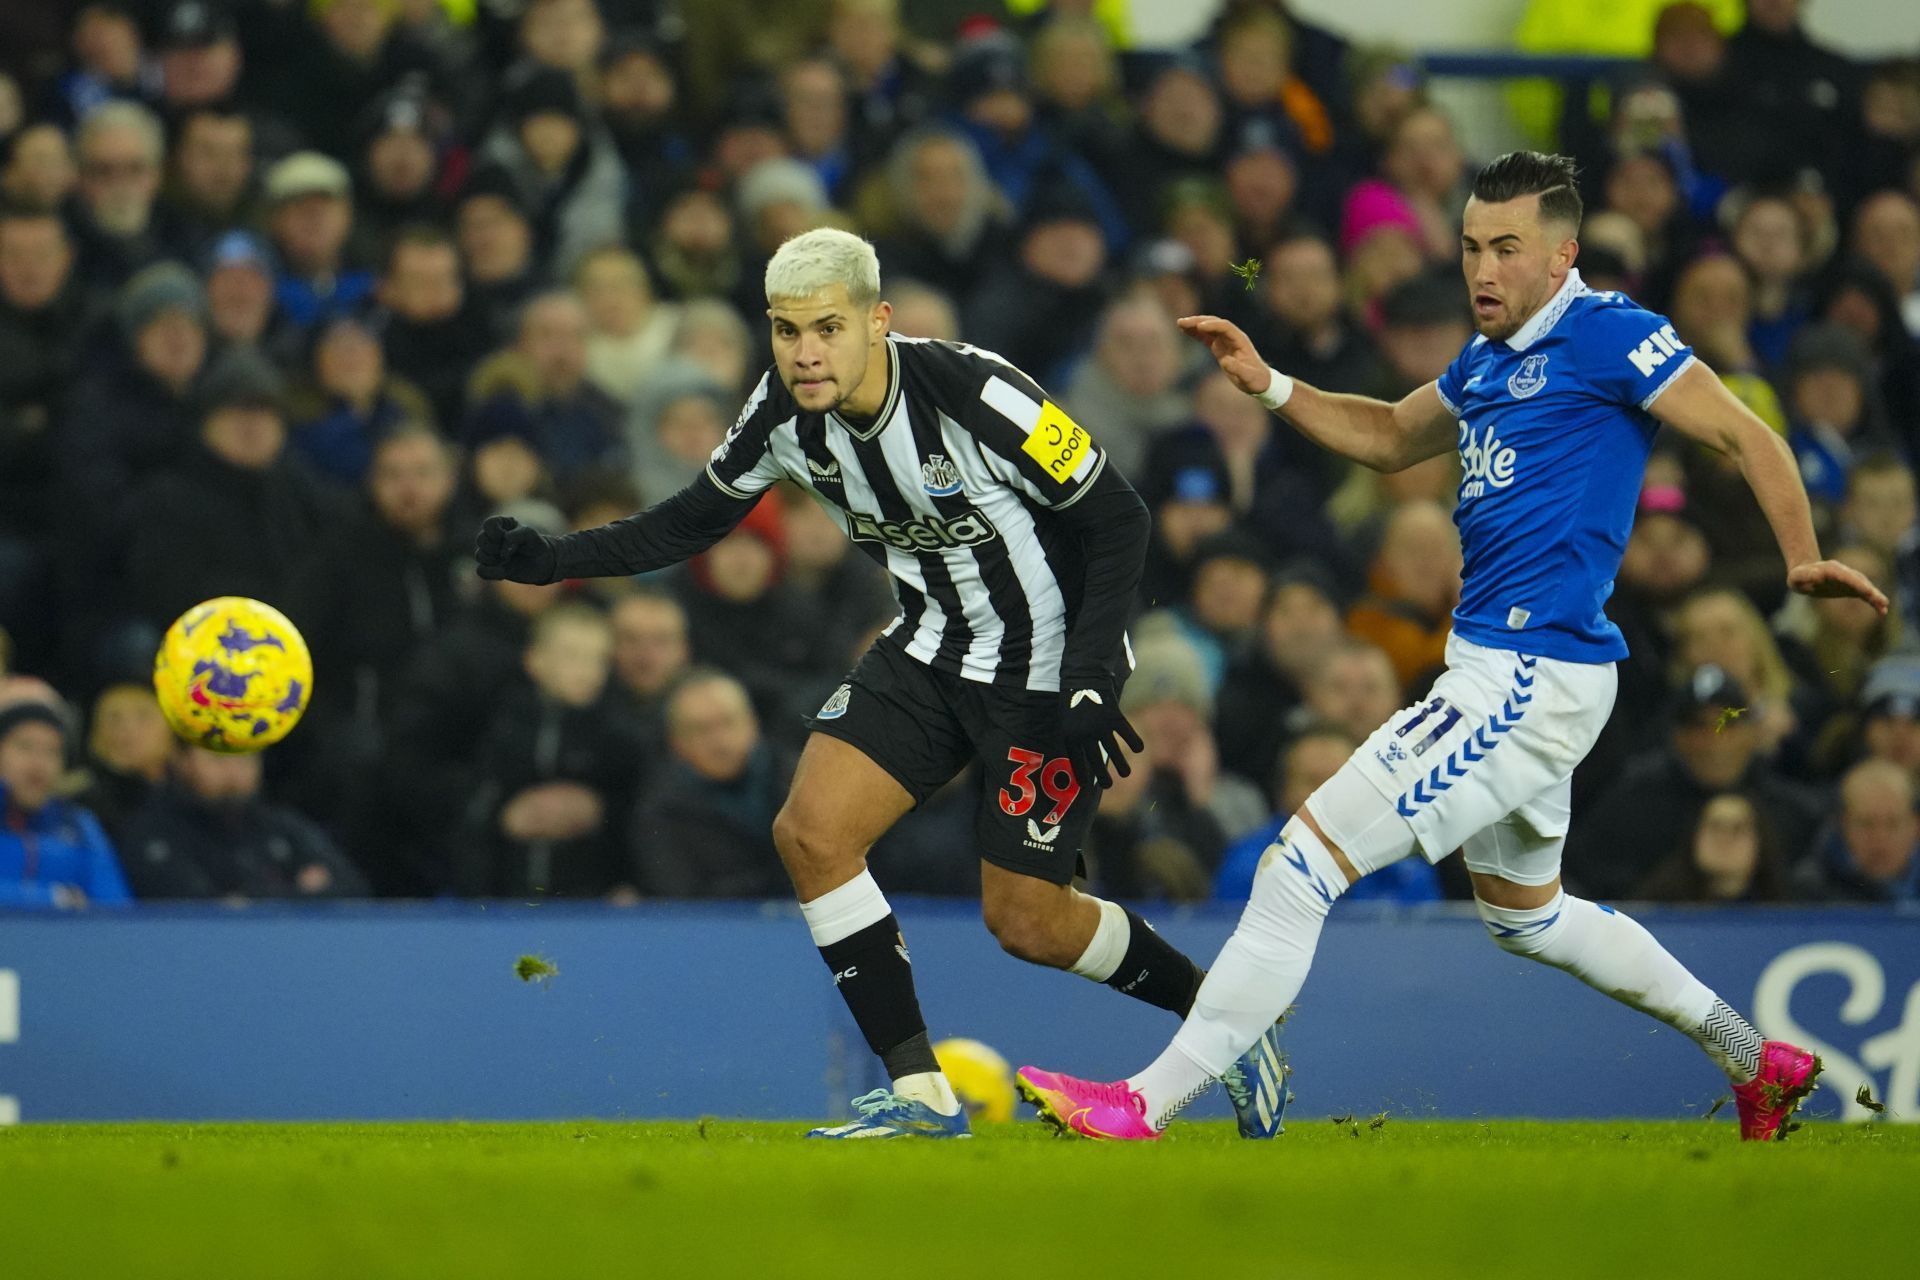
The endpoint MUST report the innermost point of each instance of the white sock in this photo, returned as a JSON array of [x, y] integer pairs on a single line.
[[838, 914], [1614, 954], [1109, 945], [930, 1087], [1255, 978]]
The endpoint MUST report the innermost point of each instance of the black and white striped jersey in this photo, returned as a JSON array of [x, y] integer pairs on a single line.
[[952, 489]]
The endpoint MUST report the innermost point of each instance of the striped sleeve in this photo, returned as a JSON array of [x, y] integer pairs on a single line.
[[1027, 439], [744, 466]]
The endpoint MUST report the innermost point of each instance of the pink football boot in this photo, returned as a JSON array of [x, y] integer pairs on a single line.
[[1766, 1102], [1085, 1107]]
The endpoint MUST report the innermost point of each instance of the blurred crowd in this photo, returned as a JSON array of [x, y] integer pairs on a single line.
[[294, 292]]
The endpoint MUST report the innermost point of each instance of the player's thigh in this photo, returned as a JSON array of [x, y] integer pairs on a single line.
[[1515, 862], [1034, 812], [886, 740]]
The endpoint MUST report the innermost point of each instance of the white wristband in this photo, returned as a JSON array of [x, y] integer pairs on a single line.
[[1278, 391]]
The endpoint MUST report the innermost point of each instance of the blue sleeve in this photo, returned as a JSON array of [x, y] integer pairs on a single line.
[[106, 886], [1628, 355], [1452, 384], [25, 893]]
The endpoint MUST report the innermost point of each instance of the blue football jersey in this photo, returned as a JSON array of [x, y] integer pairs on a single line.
[[1554, 436]]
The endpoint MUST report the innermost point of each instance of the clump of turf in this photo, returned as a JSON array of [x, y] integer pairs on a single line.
[[528, 968]]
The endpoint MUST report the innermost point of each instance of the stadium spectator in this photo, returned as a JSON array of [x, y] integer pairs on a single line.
[[210, 832], [555, 772], [1854, 295], [1797, 97], [1869, 852], [680, 419], [650, 655], [922, 311], [43, 314], [1254, 45], [1313, 756], [1721, 627], [1169, 700], [1411, 590], [777, 199], [408, 834], [1886, 232], [128, 748], [309, 199], [120, 148], [1352, 687], [211, 190], [53, 854], [813, 107], [431, 333], [1127, 390], [39, 172], [1772, 243], [1179, 134], [496, 240], [712, 335], [382, 583], [1881, 511], [888, 87], [1713, 746], [406, 159], [1139, 847], [1263, 185], [349, 401], [1731, 855], [947, 216], [538, 390], [1834, 406], [704, 827], [109, 62], [1712, 310], [182, 547], [846, 592], [1299, 625], [345, 54], [1039, 310], [561, 167], [1191, 502], [640, 105], [1890, 713], [201, 60], [1221, 614], [1309, 331], [562, 35], [241, 308], [628, 331]]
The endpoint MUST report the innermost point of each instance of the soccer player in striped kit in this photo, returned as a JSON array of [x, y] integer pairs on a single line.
[[1552, 408], [1014, 547]]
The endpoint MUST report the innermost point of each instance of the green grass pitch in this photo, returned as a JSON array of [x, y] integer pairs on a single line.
[[723, 1198]]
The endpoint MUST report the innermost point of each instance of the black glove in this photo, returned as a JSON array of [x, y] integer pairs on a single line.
[[508, 549], [1093, 726]]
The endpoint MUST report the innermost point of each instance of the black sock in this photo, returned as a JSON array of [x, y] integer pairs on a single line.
[[1155, 971], [876, 980]]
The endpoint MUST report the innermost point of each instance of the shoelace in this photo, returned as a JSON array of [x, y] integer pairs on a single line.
[[1114, 1094], [880, 1100]]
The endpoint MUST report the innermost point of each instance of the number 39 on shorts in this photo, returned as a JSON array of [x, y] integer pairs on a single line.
[[1055, 777]]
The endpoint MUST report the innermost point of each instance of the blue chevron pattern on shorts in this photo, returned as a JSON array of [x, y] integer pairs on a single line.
[[1477, 746]]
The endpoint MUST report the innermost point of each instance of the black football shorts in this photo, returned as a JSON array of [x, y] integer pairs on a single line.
[[923, 726]]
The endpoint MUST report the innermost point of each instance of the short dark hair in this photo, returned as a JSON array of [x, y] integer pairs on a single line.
[[1555, 179]]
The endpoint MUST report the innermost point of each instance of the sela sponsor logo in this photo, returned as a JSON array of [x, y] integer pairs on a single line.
[[939, 477], [1529, 378], [836, 706], [823, 473], [931, 533], [1485, 464], [1655, 349]]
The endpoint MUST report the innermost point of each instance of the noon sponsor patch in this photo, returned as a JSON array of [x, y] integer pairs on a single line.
[[1058, 443]]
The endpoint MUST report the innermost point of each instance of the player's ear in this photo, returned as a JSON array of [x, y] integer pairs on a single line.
[[882, 319], [1565, 256]]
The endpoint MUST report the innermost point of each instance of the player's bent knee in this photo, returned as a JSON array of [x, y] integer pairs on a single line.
[[1027, 934], [1523, 931], [808, 853]]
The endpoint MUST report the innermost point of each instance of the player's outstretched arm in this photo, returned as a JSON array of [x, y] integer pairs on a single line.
[[1374, 433], [1698, 405], [681, 527]]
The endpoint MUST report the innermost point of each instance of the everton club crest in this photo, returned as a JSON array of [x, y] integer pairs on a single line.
[[1529, 378]]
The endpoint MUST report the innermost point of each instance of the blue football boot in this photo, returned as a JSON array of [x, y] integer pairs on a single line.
[[1257, 1084], [885, 1114]]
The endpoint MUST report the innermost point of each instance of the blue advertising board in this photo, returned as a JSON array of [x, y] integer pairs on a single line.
[[414, 1011]]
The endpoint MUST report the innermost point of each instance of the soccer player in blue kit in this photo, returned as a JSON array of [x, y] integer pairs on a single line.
[[1553, 408]]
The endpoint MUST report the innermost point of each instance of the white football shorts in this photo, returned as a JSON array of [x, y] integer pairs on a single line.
[[1484, 764]]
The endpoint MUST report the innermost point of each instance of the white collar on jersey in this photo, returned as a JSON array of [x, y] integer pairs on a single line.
[[1549, 315]]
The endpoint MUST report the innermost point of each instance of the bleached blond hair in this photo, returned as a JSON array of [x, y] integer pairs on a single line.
[[821, 258]]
